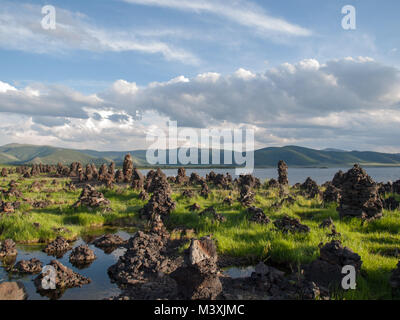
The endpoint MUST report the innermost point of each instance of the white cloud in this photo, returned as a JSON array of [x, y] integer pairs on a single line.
[[241, 12], [20, 29], [344, 103]]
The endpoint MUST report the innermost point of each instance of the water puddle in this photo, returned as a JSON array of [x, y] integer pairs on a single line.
[[100, 287], [239, 272]]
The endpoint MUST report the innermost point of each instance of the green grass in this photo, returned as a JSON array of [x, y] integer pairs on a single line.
[[376, 242]]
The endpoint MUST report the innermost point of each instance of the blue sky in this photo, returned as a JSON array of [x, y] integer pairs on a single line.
[[284, 51]]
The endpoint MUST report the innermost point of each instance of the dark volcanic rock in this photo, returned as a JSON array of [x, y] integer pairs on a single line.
[[92, 198], [205, 191], [181, 178], [82, 255], [359, 196], [127, 168], [58, 247], [29, 266], [282, 173], [258, 215], [64, 278], [188, 193], [137, 180], [246, 197], [144, 259], [327, 223], [12, 291], [326, 271], [331, 194], [194, 207], [391, 204], [8, 249], [160, 203], [110, 242], [198, 277], [310, 188], [287, 224]]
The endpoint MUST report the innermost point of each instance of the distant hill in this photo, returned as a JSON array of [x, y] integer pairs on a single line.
[[294, 156]]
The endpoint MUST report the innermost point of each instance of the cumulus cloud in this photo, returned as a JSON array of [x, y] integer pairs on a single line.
[[350, 103]]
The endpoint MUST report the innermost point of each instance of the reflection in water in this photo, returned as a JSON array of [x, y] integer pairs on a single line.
[[239, 272], [100, 287]]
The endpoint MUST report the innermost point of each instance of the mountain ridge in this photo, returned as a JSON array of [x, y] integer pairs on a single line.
[[295, 156]]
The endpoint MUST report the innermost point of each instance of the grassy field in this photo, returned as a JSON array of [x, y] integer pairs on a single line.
[[376, 242]]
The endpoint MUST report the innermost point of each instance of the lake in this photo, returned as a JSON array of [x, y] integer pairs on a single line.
[[100, 287]]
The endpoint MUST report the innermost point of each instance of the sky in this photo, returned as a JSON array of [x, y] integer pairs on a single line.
[[286, 69]]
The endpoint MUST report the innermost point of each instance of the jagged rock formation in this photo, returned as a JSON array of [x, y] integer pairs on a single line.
[[64, 278], [288, 224], [8, 249], [198, 277], [28, 266], [246, 197], [137, 180], [127, 168], [82, 255], [58, 247], [282, 173], [257, 215], [92, 198], [359, 196], [331, 194], [310, 188], [326, 271]]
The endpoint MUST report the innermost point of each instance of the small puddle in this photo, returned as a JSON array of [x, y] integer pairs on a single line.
[[100, 287], [239, 272]]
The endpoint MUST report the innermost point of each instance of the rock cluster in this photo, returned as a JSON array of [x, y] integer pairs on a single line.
[[288, 224], [12, 291], [359, 195], [269, 283], [188, 193], [213, 213], [82, 255], [92, 198], [8, 249], [257, 215], [58, 247], [160, 203], [391, 204], [205, 191], [195, 178], [310, 188], [109, 242], [64, 278], [29, 266], [198, 277], [127, 168], [181, 178], [326, 271], [8, 207], [282, 173], [246, 197], [144, 259], [137, 180], [331, 194]]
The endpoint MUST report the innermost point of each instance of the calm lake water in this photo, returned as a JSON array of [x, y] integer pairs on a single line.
[[320, 175], [100, 287]]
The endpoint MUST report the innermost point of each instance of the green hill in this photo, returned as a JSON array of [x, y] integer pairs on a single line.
[[268, 157]]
